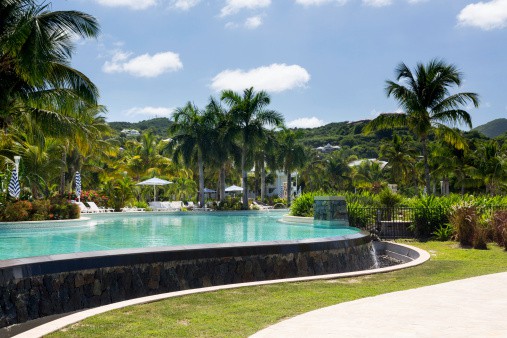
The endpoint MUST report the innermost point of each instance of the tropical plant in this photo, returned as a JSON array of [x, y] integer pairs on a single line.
[[291, 155], [250, 118], [424, 95], [190, 134], [36, 78]]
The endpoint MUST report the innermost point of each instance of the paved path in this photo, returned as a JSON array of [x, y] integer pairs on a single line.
[[474, 307]]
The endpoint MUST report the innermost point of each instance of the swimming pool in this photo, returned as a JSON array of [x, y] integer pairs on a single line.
[[146, 230]]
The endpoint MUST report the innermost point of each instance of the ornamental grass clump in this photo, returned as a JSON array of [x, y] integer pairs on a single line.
[[463, 218], [499, 223]]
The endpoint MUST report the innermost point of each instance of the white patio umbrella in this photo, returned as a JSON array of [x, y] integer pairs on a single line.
[[233, 189], [154, 181]]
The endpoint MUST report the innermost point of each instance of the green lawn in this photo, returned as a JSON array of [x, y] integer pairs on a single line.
[[241, 312]]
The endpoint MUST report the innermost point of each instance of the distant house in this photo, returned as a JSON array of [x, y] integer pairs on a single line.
[[328, 148], [130, 132]]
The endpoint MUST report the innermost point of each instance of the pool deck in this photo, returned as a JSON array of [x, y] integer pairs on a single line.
[[473, 307]]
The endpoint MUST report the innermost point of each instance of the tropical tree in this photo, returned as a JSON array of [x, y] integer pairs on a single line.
[[291, 155], [250, 118], [189, 133], [424, 95], [400, 156], [35, 74]]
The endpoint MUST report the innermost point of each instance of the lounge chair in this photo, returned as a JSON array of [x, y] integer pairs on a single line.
[[95, 208], [132, 209], [262, 206], [190, 205], [83, 208], [167, 206]]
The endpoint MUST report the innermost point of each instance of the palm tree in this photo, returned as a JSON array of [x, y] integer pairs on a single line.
[[190, 132], [35, 74], [425, 96], [400, 157], [291, 155], [223, 138], [250, 117]]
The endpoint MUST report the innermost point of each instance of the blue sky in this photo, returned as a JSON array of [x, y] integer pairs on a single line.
[[321, 61]]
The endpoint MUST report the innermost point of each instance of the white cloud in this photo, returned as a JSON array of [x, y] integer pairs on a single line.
[[185, 5], [484, 15], [378, 3], [253, 22], [132, 4], [150, 111], [144, 65], [234, 6], [306, 122], [273, 78], [320, 2]]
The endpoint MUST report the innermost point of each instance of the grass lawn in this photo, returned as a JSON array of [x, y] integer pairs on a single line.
[[241, 312]]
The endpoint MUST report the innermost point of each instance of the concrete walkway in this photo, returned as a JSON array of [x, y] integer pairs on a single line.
[[474, 307]]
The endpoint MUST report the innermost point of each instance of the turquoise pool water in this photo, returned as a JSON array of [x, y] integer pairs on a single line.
[[122, 231]]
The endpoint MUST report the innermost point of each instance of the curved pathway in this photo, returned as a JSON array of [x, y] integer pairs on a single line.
[[473, 307]]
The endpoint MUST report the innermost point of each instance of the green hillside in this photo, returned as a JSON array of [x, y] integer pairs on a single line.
[[158, 125], [493, 128]]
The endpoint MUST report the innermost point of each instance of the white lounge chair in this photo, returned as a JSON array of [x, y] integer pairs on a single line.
[[262, 206], [95, 208], [132, 209], [167, 206], [83, 208]]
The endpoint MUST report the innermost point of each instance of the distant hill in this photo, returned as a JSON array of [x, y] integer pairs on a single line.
[[493, 128], [159, 126]]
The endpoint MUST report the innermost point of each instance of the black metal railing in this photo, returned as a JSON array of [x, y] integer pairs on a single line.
[[397, 222], [405, 222]]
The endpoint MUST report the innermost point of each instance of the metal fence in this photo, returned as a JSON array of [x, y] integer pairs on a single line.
[[397, 222]]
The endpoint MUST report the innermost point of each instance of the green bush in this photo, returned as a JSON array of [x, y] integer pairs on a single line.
[[430, 213], [17, 211], [359, 216], [40, 210], [443, 233], [302, 206]]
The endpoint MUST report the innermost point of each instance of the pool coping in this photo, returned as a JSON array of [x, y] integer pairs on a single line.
[[420, 256]]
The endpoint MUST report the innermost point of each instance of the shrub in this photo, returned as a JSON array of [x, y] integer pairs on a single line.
[[463, 218], [359, 216], [18, 211], [389, 199], [40, 210], [303, 205], [429, 214], [444, 232], [499, 223], [481, 234]]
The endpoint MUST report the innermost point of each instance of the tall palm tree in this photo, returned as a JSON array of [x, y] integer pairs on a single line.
[[424, 95], [291, 155], [189, 133], [223, 138], [35, 74], [250, 117]]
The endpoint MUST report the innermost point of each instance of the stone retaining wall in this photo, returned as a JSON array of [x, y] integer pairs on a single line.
[[38, 287]]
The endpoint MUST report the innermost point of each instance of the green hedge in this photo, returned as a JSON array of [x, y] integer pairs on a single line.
[[38, 210]]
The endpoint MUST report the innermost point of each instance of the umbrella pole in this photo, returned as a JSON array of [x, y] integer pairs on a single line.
[[154, 193]]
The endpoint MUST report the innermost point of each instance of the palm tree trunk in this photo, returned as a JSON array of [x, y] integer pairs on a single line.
[[289, 186], [222, 183], [62, 175], [244, 182], [426, 166], [263, 181], [201, 178]]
